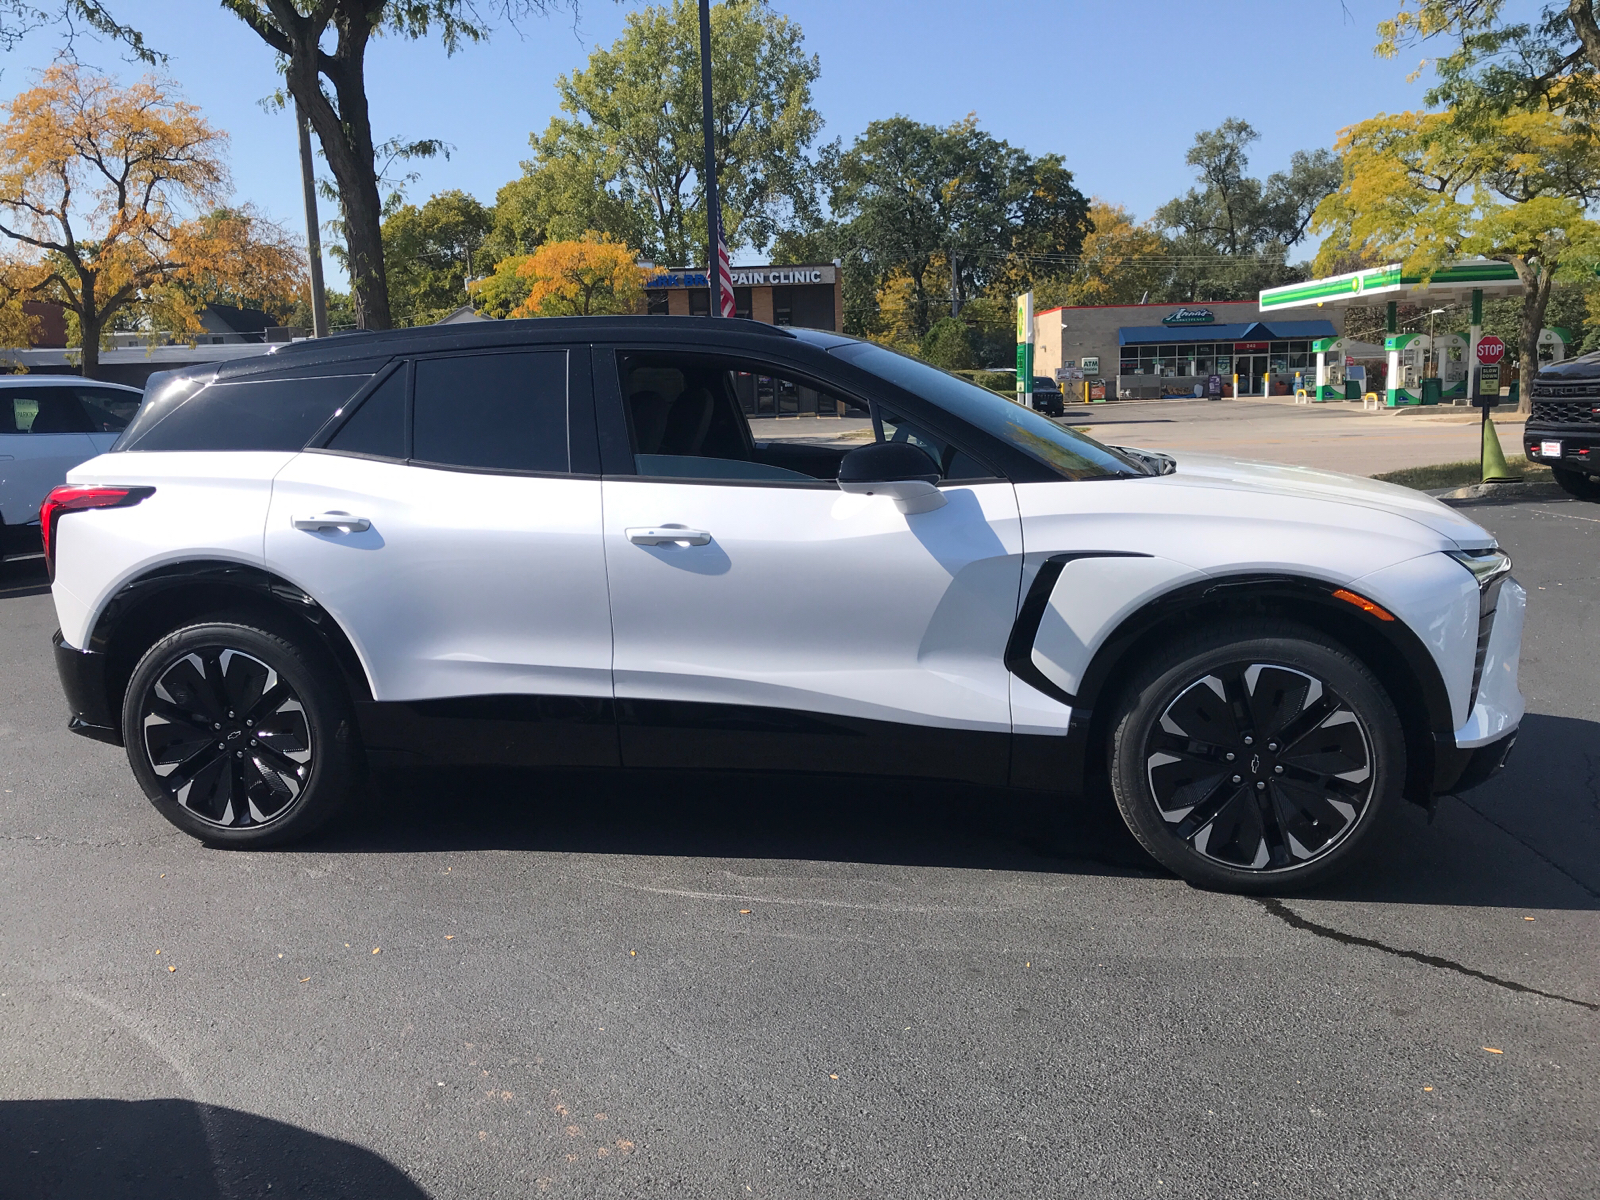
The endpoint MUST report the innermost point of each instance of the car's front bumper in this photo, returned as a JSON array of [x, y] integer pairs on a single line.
[[1580, 447], [83, 679], [1480, 747]]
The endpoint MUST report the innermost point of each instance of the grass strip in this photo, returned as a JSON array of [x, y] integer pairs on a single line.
[[1460, 474]]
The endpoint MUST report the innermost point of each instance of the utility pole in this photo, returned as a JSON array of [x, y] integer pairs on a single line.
[[713, 206], [308, 181]]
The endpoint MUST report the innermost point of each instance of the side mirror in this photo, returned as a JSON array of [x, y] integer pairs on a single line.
[[898, 470]]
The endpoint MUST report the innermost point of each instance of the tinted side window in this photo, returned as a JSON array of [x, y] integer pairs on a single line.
[[378, 427], [109, 410], [43, 410], [493, 412], [243, 414]]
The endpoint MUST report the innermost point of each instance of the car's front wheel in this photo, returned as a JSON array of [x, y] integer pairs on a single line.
[[1255, 758], [1577, 483], [239, 735]]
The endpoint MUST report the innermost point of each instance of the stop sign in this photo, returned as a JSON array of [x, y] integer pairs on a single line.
[[1490, 350]]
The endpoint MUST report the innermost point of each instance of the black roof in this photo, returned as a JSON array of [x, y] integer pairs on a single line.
[[355, 345]]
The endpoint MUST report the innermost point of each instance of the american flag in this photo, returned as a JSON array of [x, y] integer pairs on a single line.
[[724, 273]]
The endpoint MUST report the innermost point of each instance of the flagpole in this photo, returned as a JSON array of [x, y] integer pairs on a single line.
[[713, 207]]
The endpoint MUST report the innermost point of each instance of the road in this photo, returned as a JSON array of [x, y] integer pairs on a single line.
[[512, 985], [1337, 437]]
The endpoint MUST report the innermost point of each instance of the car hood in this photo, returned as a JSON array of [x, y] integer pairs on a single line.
[[1281, 480]]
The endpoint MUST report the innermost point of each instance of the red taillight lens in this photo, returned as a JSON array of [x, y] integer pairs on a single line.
[[68, 498]]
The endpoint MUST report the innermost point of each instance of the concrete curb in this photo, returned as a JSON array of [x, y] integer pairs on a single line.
[[1479, 493]]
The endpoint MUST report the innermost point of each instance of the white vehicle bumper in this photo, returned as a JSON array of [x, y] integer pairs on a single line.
[[1498, 708]]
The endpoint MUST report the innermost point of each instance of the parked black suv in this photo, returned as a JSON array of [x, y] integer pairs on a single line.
[[1047, 397], [1563, 431]]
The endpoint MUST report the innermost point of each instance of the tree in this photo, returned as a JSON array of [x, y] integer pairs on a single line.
[[583, 278], [94, 182], [329, 86], [1120, 263], [1231, 235], [625, 157], [948, 344], [941, 214], [1426, 188], [18, 18], [430, 254]]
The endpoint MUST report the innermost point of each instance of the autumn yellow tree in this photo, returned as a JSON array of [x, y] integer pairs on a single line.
[[1423, 188], [114, 199], [587, 277], [1121, 262]]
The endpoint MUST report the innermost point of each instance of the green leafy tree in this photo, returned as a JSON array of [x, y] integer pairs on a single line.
[[937, 215], [948, 344], [430, 253], [1230, 237], [625, 157]]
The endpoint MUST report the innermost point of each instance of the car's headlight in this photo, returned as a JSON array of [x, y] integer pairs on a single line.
[[1487, 566]]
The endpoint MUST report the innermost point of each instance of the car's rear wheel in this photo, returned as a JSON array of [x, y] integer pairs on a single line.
[[1577, 483], [239, 735], [1255, 758]]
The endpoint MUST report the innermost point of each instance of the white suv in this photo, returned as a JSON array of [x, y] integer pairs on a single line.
[[48, 425], [558, 542]]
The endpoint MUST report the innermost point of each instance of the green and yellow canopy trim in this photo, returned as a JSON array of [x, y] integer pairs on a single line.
[[1388, 283]]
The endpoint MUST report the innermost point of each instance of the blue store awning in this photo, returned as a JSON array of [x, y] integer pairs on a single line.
[[1250, 331]]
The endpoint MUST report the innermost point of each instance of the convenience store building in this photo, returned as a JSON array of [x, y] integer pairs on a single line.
[[1151, 351]]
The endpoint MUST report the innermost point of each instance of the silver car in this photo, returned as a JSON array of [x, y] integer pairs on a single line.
[[48, 425]]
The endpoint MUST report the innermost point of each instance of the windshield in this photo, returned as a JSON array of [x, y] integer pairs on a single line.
[[1072, 454]]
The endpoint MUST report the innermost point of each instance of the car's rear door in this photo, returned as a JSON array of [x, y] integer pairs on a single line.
[[452, 530], [795, 626], [44, 433]]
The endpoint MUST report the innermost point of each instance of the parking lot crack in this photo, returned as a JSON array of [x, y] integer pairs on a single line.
[[1293, 919]]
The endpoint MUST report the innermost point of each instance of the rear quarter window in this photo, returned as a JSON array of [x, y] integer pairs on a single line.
[[252, 413]]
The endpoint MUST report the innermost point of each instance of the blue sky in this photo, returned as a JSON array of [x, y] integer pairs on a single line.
[[1118, 88]]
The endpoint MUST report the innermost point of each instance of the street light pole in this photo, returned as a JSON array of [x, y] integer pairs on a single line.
[[713, 207], [308, 182]]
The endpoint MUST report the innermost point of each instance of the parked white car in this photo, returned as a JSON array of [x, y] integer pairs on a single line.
[[48, 425], [557, 542]]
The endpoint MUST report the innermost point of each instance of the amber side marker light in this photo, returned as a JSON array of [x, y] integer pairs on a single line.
[[1365, 605]]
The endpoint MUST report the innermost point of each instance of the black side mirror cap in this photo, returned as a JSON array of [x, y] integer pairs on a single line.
[[888, 462], [899, 470]]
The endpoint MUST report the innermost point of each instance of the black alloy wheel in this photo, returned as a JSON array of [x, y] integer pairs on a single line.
[[238, 736], [1577, 483], [1256, 763]]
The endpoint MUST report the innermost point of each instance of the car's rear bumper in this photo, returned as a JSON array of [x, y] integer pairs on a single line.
[[83, 679]]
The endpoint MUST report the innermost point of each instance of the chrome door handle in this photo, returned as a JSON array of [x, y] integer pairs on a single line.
[[332, 522], [668, 535]]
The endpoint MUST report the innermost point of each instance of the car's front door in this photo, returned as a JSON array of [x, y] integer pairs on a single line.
[[450, 528], [792, 625]]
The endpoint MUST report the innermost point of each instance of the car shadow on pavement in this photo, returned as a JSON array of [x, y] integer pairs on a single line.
[[1529, 838], [101, 1149], [715, 814]]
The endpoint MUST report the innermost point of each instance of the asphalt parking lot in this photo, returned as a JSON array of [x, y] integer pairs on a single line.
[[510, 985]]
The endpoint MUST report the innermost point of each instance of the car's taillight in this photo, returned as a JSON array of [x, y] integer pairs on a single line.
[[68, 498]]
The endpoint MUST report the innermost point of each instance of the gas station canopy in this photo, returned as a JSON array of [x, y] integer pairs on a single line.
[[1458, 281], [1412, 357]]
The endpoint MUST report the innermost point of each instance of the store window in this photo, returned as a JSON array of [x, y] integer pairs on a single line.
[[1278, 356], [655, 302], [1299, 356], [1129, 364], [699, 302]]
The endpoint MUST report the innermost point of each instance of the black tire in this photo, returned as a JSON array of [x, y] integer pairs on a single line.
[[1210, 785], [1577, 483], [285, 757]]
